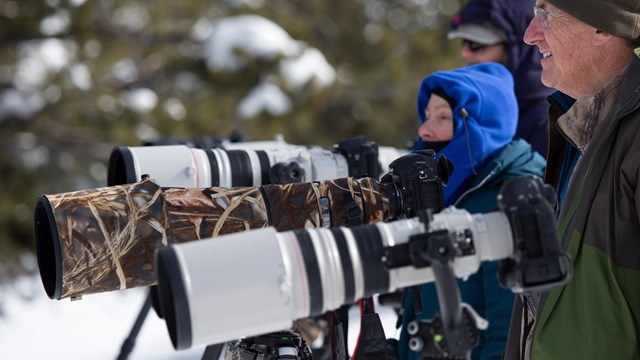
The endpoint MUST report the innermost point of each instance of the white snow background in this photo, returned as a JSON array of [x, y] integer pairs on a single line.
[[32, 326]]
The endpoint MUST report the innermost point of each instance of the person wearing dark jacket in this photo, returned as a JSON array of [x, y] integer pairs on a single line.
[[492, 30], [470, 115], [591, 55]]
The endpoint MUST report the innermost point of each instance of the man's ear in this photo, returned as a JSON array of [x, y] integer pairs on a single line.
[[600, 37]]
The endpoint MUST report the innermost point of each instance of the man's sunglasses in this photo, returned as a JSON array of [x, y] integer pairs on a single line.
[[474, 46]]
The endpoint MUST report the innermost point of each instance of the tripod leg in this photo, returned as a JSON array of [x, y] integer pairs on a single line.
[[130, 341]]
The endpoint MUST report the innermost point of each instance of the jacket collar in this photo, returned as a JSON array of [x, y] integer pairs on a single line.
[[585, 116], [510, 159]]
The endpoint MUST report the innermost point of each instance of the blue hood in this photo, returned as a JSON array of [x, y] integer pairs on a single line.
[[484, 92]]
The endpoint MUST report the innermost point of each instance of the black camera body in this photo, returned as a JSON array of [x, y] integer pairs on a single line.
[[538, 260], [418, 179]]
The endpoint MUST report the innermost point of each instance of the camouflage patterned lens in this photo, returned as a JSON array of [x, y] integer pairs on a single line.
[[105, 239]]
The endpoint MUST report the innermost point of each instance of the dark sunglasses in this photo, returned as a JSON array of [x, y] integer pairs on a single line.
[[474, 46]]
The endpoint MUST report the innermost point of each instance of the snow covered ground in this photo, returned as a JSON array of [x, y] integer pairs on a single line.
[[34, 327]]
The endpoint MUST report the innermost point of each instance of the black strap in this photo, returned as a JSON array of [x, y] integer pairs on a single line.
[[339, 332], [372, 342], [338, 344], [367, 306], [417, 303], [392, 349], [355, 215]]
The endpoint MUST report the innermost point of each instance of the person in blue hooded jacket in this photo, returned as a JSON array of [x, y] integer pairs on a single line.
[[492, 30], [470, 115]]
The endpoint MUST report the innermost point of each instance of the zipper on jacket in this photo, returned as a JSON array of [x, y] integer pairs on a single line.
[[534, 313], [484, 181]]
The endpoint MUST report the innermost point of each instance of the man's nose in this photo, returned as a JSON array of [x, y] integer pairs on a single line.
[[533, 34]]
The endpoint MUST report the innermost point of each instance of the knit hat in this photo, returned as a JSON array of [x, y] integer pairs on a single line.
[[620, 18]]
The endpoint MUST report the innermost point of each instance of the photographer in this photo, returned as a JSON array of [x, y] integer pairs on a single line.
[[588, 49], [470, 115], [492, 30]]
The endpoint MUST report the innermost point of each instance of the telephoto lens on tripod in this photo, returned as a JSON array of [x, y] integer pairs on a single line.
[[105, 239], [249, 163], [216, 291]]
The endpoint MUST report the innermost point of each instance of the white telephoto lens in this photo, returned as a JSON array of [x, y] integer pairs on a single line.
[[260, 281]]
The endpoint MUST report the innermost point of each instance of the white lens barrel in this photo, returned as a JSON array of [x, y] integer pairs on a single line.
[[173, 165], [254, 145], [495, 239], [398, 233], [491, 236], [327, 165], [233, 286], [223, 168], [259, 281], [182, 166]]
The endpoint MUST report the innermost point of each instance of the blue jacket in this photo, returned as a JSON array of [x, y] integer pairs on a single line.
[[513, 17], [485, 92]]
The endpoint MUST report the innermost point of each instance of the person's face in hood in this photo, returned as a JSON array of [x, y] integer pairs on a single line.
[[438, 123], [475, 53]]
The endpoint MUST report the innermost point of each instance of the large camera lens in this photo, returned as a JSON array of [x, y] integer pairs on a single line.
[[258, 282], [182, 166], [105, 239]]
